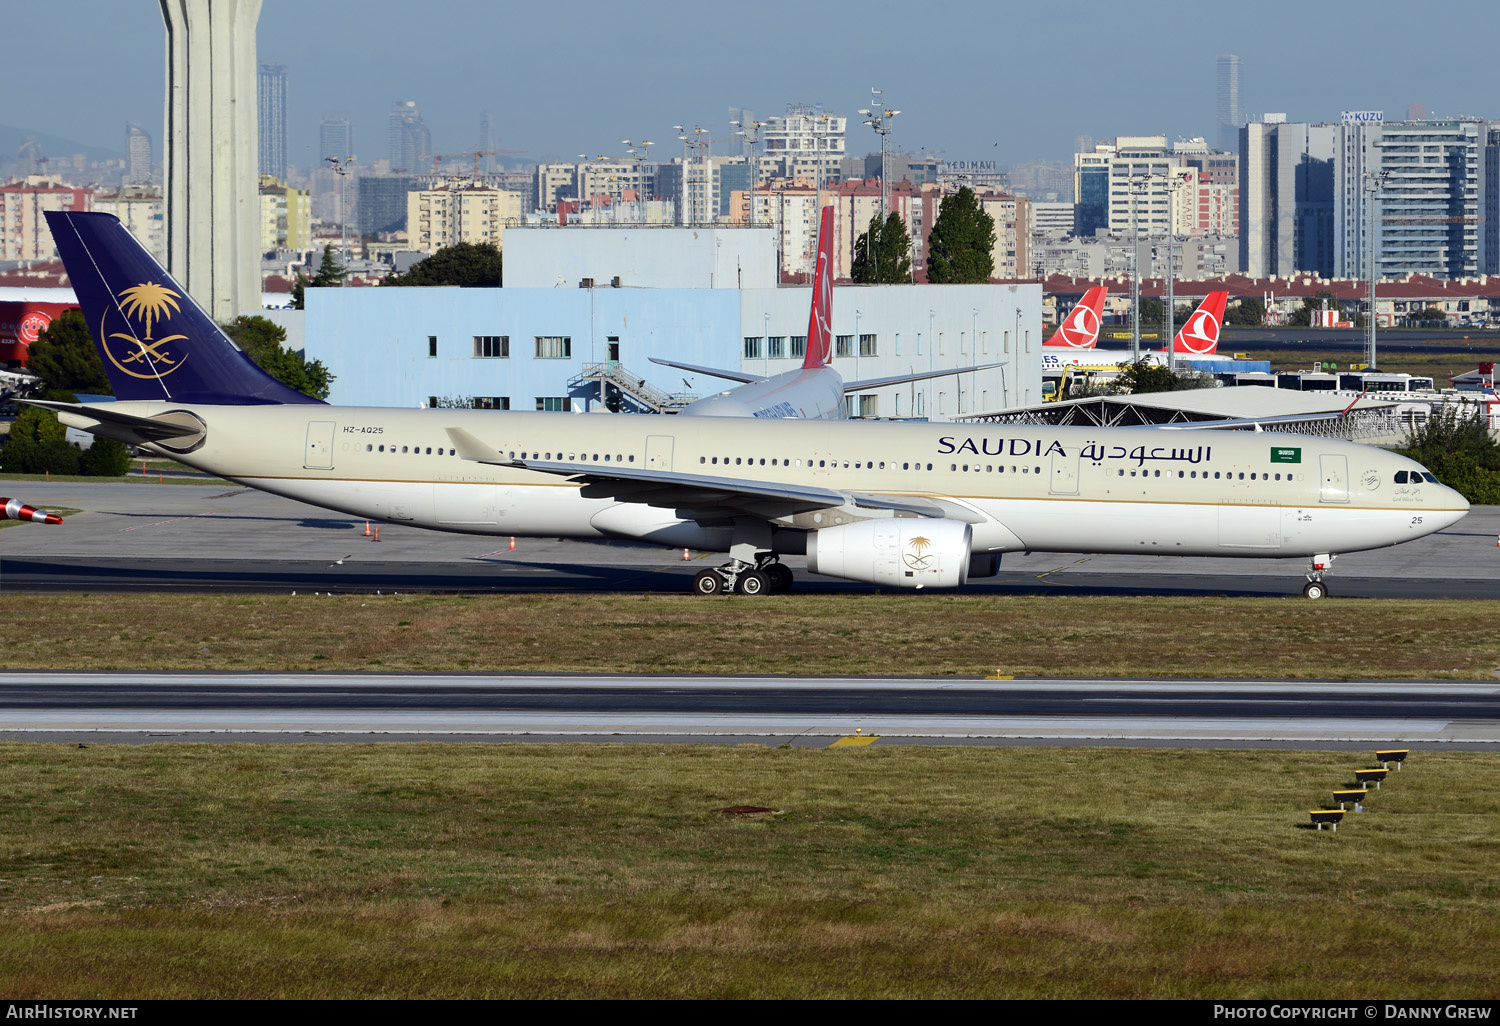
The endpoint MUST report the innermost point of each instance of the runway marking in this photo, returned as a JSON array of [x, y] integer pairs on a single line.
[[159, 523], [1059, 569]]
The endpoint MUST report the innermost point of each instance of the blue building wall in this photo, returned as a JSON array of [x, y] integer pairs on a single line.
[[375, 340]]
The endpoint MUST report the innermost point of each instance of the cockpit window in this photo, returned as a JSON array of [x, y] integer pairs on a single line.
[[1400, 477], [1430, 478]]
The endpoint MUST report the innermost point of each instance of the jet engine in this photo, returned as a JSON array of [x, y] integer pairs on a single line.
[[902, 552]]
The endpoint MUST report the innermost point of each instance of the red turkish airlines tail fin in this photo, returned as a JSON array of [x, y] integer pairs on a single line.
[[1080, 329], [1200, 335], [820, 322]]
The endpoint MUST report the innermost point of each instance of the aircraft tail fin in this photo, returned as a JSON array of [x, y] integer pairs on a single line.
[[1200, 335], [1080, 329], [820, 323], [155, 342]]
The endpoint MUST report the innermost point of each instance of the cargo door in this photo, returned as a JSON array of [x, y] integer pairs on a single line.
[[659, 452], [1335, 478], [319, 445]]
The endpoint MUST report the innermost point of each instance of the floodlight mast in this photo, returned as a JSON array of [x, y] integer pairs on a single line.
[[879, 119], [1373, 184], [337, 163]]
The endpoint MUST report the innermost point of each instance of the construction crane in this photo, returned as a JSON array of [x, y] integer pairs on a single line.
[[476, 153]]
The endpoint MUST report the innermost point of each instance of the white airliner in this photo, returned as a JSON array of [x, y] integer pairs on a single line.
[[814, 391], [902, 505]]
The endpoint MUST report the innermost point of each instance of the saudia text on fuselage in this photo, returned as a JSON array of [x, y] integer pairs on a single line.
[[1094, 451]]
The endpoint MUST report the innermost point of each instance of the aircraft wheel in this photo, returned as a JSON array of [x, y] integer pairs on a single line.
[[1315, 589], [781, 578], [753, 582], [707, 582]]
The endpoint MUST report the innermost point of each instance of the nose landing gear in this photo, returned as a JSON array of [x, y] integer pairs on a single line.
[[1315, 588]]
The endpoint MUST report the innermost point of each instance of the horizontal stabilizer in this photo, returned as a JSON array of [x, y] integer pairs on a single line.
[[901, 379], [716, 372], [124, 427]]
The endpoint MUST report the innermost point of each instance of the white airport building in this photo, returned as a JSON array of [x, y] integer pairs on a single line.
[[700, 296]]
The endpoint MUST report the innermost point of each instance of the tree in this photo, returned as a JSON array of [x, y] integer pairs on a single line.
[[882, 255], [960, 249], [1432, 314], [64, 357], [1249, 312], [264, 342], [331, 273], [469, 265], [105, 458], [1143, 376], [1457, 447]]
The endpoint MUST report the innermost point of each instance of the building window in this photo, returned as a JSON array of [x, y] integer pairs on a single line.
[[491, 347], [776, 347], [554, 347], [492, 402], [799, 347], [554, 404], [867, 405], [867, 345], [431, 346], [843, 345], [752, 347]]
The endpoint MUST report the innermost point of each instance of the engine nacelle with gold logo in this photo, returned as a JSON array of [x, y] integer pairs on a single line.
[[902, 552]]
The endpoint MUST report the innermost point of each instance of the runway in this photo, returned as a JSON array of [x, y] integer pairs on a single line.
[[218, 537], [765, 710]]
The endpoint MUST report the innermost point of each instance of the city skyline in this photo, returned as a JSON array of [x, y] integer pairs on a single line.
[[1012, 86]]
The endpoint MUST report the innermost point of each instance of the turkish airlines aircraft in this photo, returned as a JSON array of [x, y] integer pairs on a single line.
[[814, 391], [1198, 339], [1080, 329], [902, 505]]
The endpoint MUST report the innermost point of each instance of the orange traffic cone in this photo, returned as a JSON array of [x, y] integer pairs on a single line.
[[367, 529], [377, 533], [512, 544], [684, 555]]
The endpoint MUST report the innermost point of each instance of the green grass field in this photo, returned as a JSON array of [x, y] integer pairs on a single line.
[[905, 634], [606, 871]]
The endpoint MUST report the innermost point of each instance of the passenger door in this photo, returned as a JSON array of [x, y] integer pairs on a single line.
[[659, 452], [1335, 478]]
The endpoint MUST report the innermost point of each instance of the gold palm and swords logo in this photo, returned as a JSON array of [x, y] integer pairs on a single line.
[[916, 555], [150, 304]]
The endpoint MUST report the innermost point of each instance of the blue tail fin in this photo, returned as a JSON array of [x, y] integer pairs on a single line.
[[156, 343]]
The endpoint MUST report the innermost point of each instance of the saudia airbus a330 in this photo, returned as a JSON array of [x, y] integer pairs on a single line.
[[895, 504]]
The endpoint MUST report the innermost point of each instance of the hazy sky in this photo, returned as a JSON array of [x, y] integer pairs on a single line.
[[974, 79]]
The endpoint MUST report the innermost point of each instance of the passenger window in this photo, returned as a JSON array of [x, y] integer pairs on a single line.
[[1252, 477], [1242, 475], [382, 448], [369, 448], [1122, 471], [929, 466], [702, 459], [1180, 474], [1158, 473]]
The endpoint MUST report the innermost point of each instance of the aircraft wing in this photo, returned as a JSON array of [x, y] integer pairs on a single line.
[[901, 379], [701, 495], [728, 375]]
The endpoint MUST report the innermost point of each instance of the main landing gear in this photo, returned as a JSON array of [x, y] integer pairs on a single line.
[[1315, 588], [766, 576]]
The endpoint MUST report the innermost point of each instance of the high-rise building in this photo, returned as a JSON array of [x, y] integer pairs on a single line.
[[382, 202], [1230, 115], [271, 112], [806, 142], [1429, 210], [137, 155], [1286, 198], [739, 117], [335, 137], [411, 142], [23, 229]]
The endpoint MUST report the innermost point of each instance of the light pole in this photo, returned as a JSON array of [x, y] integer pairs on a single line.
[[751, 132], [338, 164], [640, 175], [1137, 186], [1373, 183], [880, 120]]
